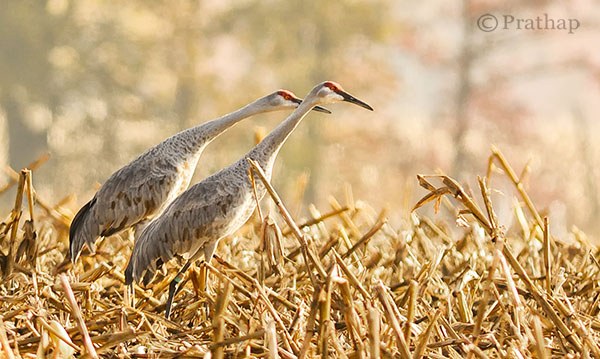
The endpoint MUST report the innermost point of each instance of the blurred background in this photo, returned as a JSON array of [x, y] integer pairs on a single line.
[[95, 83]]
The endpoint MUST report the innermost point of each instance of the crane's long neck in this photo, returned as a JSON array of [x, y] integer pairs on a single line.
[[196, 138], [266, 151]]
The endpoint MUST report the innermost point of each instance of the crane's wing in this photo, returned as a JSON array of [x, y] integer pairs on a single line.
[[201, 215], [131, 194], [134, 193]]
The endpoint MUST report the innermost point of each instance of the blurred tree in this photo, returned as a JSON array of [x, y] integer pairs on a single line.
[[26, 37]]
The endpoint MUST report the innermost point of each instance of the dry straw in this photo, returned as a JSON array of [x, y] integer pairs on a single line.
[[343, 284]]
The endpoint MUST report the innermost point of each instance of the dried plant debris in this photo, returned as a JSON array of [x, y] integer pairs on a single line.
[[343, 284]]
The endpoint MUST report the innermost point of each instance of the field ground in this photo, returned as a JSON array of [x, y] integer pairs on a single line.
[[359, 287]]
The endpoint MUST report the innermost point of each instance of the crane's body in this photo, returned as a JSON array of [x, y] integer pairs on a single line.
[[140, 190], [224, 201], [194, 222]]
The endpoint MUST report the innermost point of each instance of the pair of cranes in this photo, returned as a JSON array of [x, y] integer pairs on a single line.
[[149, 194]]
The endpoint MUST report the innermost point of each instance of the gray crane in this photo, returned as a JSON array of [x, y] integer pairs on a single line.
[[195, 221], [140, 190]]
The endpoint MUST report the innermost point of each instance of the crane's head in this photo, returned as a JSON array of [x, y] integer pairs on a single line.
[[283, 99], [329, 92]]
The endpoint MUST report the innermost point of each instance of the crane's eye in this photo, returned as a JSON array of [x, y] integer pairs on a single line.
[[332, 86], [286, 95]]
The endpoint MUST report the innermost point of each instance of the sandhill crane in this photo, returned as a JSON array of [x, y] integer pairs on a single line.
[[195, 221], [141, 189]]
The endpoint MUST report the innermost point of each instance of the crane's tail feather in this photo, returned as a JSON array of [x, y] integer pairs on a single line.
[[129, 272], [146, 275], [147, 256], [151, 273], [79, 233]]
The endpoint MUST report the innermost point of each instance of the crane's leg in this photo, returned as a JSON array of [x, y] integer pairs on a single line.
[[132, 294], [173, 288], [209, 251], [178, 278]]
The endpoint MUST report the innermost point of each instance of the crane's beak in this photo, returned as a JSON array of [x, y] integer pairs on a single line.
[[349, 98], [316, 108], [321, 109]]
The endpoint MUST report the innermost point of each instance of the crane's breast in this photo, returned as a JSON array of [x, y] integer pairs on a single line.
[[185, 172]]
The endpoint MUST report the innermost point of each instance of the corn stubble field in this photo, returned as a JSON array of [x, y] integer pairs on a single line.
[[344, 284]]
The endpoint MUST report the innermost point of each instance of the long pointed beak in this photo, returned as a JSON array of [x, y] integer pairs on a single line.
[[321, 109], [316, 108], [349, 98]]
